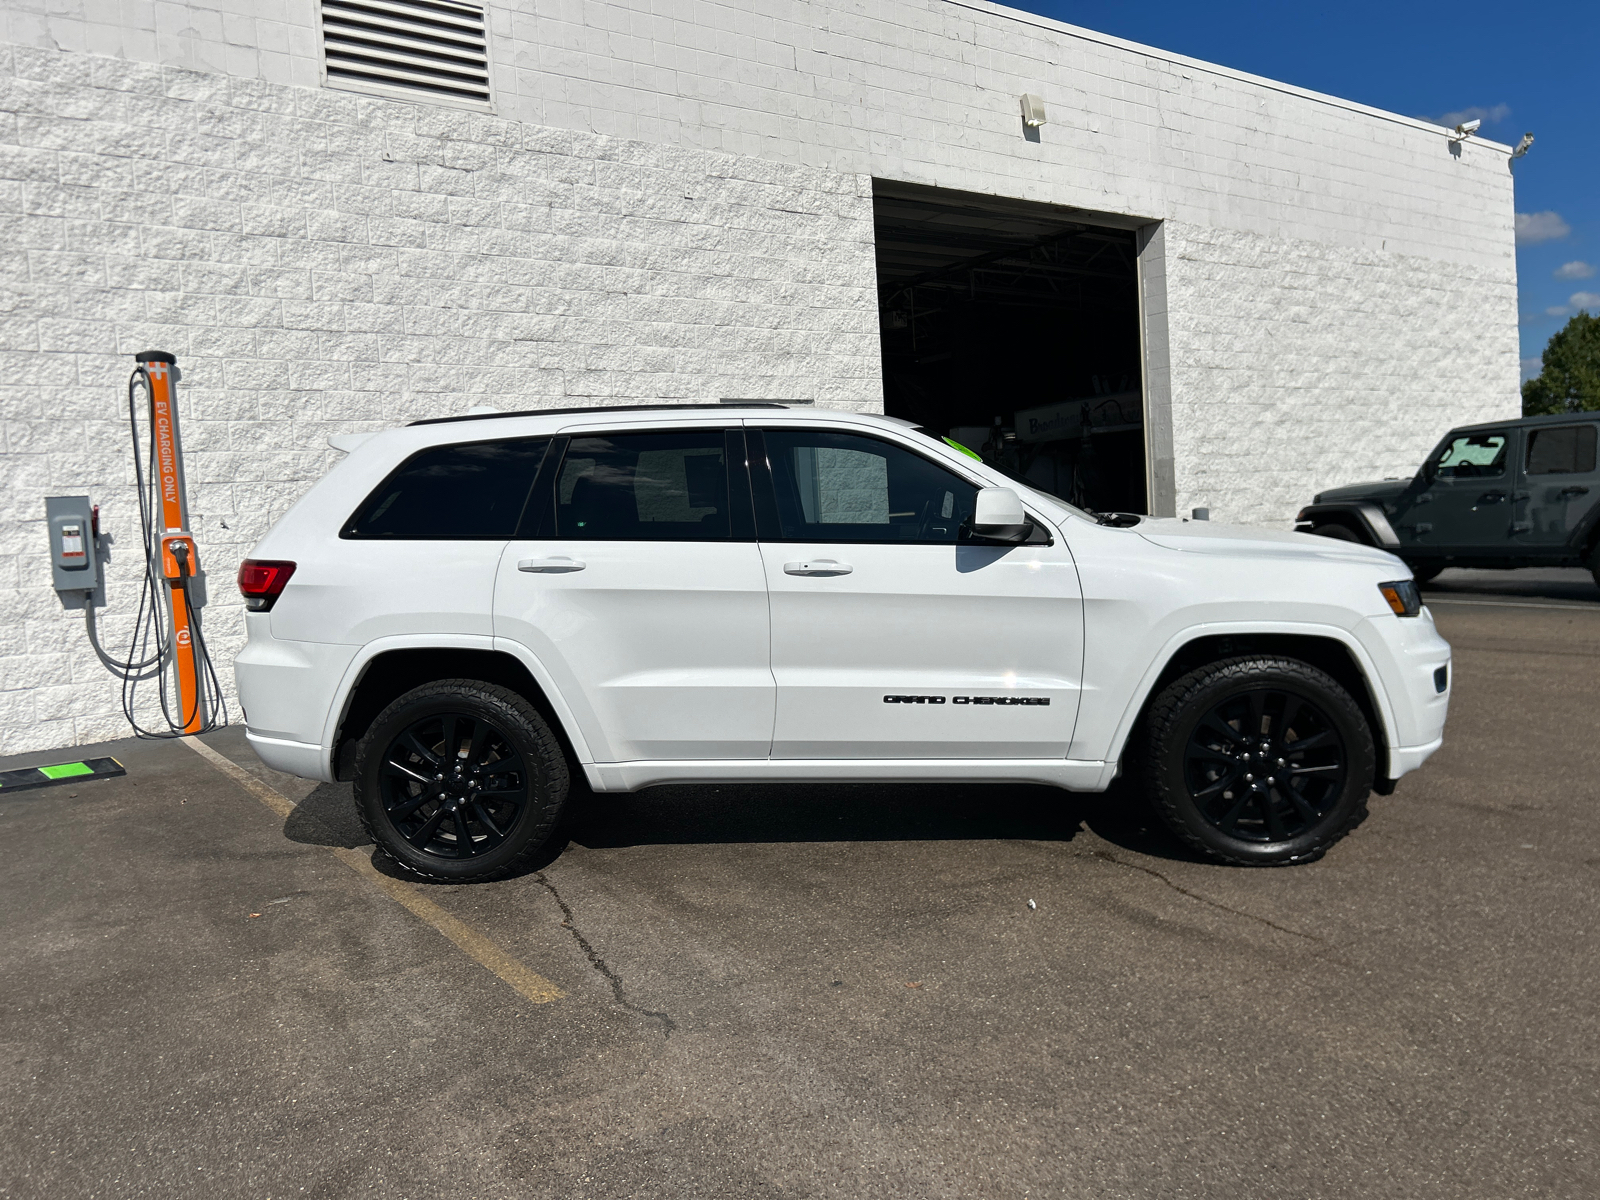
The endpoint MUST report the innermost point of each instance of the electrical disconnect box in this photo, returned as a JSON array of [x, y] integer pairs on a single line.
[[74, 545]]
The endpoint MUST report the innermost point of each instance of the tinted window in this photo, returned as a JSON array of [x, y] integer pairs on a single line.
[[1568, 450], [464, 492], [1474, 456], [644, 487], [839, 487]]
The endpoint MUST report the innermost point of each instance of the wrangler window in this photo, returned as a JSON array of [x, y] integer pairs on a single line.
[[1474, 456], [1565, 450]]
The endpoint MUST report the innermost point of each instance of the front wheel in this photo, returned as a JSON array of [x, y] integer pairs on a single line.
[[1258, 761], [460, 780]]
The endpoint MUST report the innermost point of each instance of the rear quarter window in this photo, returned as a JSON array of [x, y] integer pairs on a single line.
[[471, 491]]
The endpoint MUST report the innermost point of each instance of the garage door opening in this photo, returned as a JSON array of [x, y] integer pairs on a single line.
[[1013, 329]]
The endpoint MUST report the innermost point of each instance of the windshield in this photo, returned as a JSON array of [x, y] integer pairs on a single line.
[[1029, 488]]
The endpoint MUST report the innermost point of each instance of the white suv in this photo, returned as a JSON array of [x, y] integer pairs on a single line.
[[466, 611]]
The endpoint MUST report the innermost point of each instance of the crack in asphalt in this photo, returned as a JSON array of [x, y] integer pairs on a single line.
[[1183, 891], [569, 923]]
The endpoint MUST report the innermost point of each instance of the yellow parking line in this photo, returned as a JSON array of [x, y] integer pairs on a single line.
[[527, 984]]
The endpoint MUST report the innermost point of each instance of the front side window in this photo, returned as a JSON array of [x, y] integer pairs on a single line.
[[841, 487], [644, 487], [1474, 456], [471, 491], [1565, 450]]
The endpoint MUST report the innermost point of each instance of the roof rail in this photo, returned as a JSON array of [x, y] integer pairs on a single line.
[[600, 408]]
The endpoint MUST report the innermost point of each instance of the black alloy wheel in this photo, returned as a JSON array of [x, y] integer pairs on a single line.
[[1265, 765], [453, 786], [460, 780], [1258, 760]]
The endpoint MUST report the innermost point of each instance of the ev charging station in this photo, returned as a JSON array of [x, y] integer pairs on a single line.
[[168, 643]]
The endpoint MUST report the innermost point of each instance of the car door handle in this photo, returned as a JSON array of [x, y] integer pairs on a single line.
[[1573, 491], [1491, 498], [817, 566], [557, 565]]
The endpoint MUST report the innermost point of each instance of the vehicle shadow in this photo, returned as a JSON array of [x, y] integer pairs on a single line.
[[1533, 583], [801, 812], [900, 812]]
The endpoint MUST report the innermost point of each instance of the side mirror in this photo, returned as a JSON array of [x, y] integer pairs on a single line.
[[997, 515]]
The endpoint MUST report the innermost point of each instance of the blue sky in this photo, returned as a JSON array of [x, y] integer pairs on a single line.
[[1532, 68]]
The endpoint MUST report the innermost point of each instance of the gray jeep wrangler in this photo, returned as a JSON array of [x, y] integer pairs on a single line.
[[1522, 493]]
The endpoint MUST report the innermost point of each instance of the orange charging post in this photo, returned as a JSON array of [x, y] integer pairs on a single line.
[[180, 559]]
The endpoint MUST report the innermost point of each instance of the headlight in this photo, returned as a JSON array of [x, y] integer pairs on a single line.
[[1403, 597]]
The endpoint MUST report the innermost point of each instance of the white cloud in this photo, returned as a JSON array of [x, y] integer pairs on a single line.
[[1574, 270], [1584, 299], [1533, 228], [1558, 310], [1531, 367], [1475, 112]]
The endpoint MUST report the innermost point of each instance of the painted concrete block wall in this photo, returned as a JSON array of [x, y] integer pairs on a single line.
[[325, 263], [1297, 366], [674, 200]]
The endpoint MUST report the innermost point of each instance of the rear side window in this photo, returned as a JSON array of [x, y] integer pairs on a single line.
[[467, 492], [644, 487], [1474, 456], [1565, 450]]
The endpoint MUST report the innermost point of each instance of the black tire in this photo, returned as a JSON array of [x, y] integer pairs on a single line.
[[1425, 572], [1198, 764], [469, 821], [1339, 533]]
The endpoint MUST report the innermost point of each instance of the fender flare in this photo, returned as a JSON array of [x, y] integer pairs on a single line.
[[357, 667], [1358, 653], [1368, 516]]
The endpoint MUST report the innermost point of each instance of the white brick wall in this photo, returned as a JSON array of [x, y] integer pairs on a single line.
[[321, 262], [672, 200], [1298, 366]]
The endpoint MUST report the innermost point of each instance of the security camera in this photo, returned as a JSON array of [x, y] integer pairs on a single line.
[[1468, 128], [1522, 146]]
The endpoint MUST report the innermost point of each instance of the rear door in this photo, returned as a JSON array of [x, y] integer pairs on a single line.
[[892, 637], [638, 583], [1559, 485]]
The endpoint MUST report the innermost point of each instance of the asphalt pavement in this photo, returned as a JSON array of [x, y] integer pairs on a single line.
[[806, 991]]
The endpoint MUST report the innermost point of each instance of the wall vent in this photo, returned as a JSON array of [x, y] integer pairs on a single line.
[[436, 48]]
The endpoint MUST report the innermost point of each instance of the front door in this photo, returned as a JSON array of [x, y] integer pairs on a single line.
[[1466, 505], [892, 636], [1559, 485], [641, 590]]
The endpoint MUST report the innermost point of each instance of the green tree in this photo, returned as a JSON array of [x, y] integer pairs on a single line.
[[1570, 381]]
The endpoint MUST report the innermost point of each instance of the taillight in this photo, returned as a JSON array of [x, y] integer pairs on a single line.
[[261, 581]]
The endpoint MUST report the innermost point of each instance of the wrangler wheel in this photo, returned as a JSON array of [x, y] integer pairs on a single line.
[[1259, 760], [460, 780]]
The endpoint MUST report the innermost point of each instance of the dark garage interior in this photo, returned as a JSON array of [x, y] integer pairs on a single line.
[[1013, 329]]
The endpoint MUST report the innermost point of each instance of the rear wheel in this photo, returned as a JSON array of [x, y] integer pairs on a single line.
[[1258, 761], [1339, 533], [1423, 572], [460, 780]]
